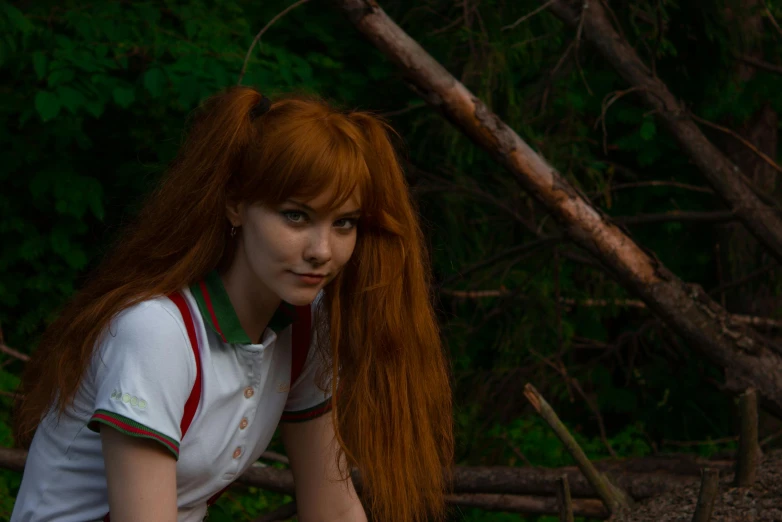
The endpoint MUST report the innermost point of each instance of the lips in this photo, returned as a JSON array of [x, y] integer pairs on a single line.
[[309, 279]]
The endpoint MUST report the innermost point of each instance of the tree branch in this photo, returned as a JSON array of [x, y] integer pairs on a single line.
[[613, 497], [520, 490], [763, 221], [745, 356]]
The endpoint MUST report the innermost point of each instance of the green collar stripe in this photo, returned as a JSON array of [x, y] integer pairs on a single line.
[[218, 312]]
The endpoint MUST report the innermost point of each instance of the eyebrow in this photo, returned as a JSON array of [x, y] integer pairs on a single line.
[[354, 212]]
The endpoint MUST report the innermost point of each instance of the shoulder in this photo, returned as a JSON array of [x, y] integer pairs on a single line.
[[153, 329], [153, 317]]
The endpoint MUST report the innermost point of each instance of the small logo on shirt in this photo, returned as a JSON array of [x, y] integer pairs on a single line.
[[128, 399], [283, 387]]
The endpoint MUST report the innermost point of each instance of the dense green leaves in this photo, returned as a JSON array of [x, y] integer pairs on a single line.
[[94, 102]]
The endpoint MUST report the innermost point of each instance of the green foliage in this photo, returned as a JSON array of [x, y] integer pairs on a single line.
[[95, 98]]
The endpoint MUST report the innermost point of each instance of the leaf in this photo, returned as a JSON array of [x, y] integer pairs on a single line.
[[155, 81], [71, 98], [47, 105], [648, 130], [60, 76], [94, 107], [123, 96], [16, 17], [39, 62]]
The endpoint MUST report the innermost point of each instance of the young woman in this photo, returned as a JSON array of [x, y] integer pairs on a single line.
[[279, 226]]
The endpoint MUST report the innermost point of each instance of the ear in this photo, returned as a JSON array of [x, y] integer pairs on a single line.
[[234, 211]]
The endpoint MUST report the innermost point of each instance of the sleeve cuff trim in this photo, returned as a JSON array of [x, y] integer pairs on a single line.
[[309, 413], [132, 428]]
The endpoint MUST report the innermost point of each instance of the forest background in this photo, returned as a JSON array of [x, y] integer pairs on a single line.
[[95, 96]]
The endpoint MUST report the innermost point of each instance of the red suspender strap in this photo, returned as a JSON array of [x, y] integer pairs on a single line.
[[302, 336], [195, 394]]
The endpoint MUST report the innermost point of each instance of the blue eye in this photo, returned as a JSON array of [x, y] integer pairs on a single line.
[[294, 216]]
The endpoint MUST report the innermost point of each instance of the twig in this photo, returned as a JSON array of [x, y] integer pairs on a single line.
[[653, 183], [745, 279], [515, 250], [528, 15], [676, 215], [687, 443], [772, 19], [579, 32], [762, 155], [283, 512], [629, 303], [564, 500], [258, 36], [749, 451], [14, 353], [709, 487], [613, 497], [609, 100], [760, 64]]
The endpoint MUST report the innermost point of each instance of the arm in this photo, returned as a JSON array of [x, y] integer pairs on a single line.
[[320, 495], [141, 477]]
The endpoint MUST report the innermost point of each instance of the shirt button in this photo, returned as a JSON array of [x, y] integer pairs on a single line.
[[249, 392], [237, 453], [243, 424]]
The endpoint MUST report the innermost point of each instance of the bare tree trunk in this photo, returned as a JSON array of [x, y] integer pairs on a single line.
[[686, 308], [763, 221]]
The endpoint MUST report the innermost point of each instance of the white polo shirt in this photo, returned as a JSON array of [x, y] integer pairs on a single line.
[[139, 380]]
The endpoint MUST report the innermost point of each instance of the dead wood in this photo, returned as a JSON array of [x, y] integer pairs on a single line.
[[687, 309]]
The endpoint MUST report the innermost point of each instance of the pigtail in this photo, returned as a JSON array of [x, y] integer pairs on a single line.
[[393, 408], [179, 236]]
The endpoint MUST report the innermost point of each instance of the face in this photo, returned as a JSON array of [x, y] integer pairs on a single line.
[[296, 248]]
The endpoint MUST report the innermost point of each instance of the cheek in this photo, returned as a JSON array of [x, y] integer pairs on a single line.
[[345, 249], [271, 242]]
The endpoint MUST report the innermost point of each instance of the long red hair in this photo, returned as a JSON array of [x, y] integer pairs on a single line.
[[392, 410]]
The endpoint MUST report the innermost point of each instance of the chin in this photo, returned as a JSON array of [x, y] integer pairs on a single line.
[[300, 297]]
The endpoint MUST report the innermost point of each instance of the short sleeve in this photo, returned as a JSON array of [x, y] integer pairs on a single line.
[[143, 373], [306, 400]]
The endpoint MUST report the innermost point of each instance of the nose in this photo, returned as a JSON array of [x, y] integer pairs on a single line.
[[318, 251]]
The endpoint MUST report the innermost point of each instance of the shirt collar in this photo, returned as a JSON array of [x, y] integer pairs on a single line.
[[218, 312]]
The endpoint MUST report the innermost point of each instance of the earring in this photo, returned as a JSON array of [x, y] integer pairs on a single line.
[[233, 231]]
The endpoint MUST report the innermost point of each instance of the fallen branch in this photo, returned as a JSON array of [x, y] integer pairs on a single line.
[[564, 500], [613, 497], [747, 359], [752, 320], [749, 204], [642, 478], [582, 507]]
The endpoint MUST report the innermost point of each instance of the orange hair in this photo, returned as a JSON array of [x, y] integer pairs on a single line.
[[392, 406]]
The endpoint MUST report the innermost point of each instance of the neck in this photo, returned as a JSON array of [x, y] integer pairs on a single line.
[[253, 302]]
